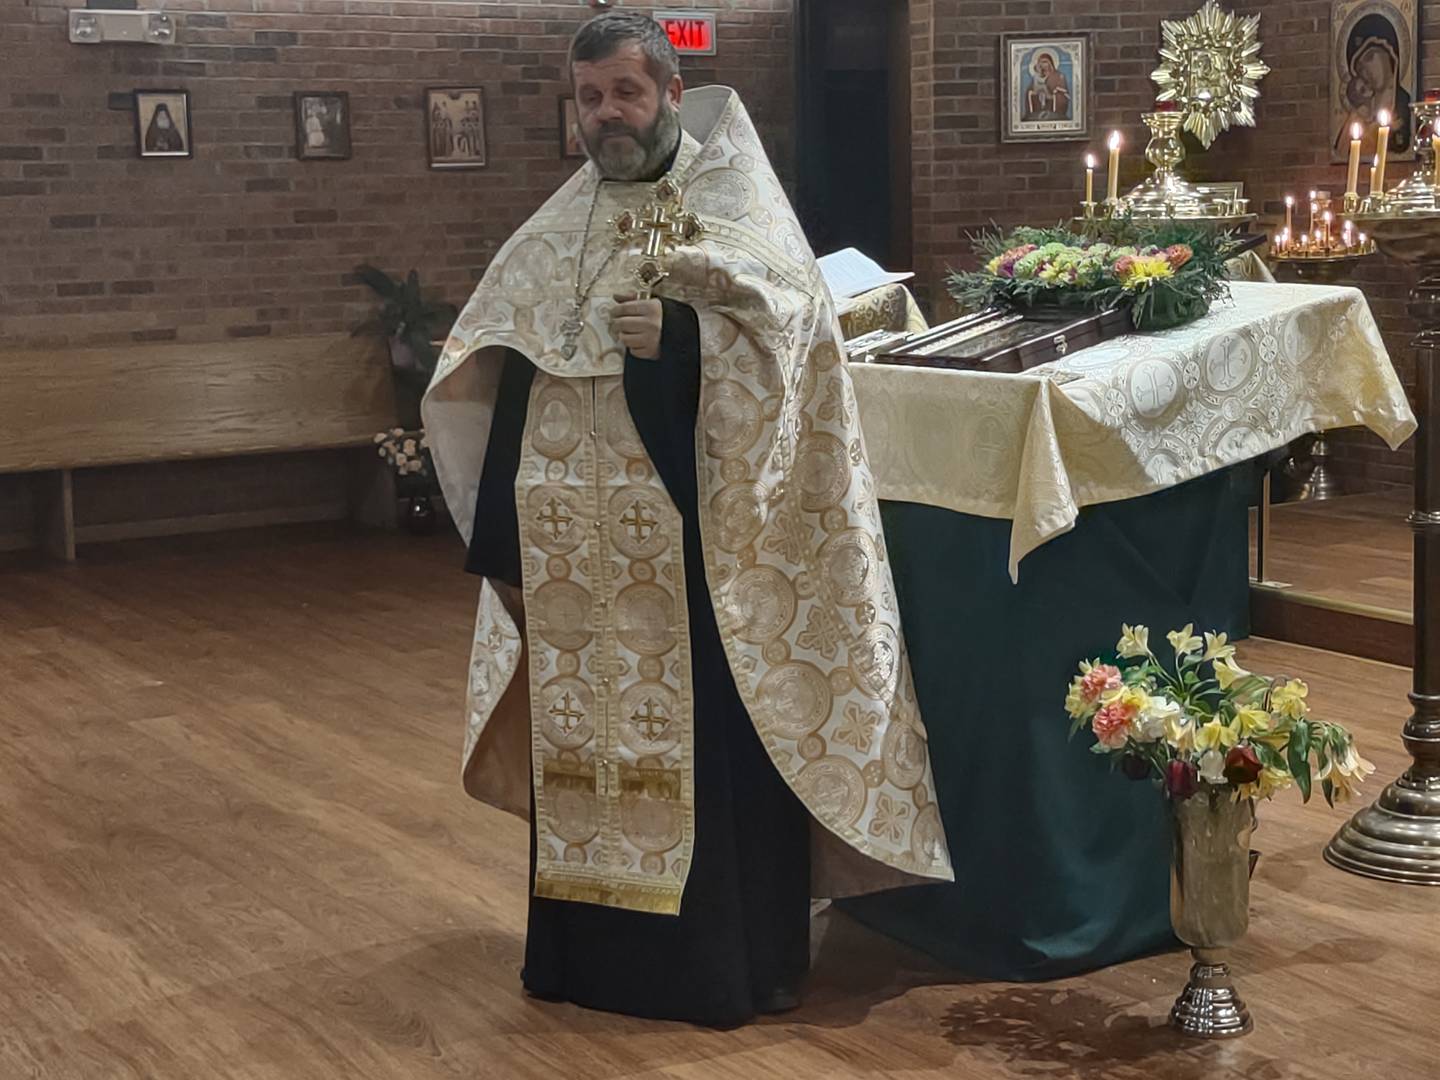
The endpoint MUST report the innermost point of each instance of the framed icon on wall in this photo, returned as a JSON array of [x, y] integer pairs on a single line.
[[162, 124], [1044, 87], [455, 127], [322, 125]]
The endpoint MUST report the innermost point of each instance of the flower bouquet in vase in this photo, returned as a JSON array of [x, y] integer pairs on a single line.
[[1216, 739], [408, 454]]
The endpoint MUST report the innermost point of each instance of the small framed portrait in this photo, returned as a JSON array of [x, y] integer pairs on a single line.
[[455, 127], [570, 144], [322, 125], [1044, 87], [162, 124], [1374, 67]]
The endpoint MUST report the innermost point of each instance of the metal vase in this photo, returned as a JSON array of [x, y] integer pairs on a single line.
[[1210, 906]]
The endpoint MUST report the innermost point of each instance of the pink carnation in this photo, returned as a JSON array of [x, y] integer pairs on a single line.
[[1097, 680], [1178, 255], [1112, 725], [1123, 265]]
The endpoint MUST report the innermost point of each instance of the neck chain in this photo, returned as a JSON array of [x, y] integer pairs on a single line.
[[575, 323]]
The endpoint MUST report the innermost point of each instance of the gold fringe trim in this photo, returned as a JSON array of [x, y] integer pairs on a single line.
[[644, 898]]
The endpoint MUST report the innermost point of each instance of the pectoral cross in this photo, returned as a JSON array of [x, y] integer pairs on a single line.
[[571, 328], [661, 226]]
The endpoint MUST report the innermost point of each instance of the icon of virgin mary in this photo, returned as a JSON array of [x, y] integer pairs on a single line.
[[1372, 82]]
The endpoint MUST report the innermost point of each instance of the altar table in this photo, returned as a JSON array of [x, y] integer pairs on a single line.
[[1028, 516]]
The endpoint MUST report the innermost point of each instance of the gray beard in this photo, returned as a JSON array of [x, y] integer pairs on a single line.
[[642, 158]]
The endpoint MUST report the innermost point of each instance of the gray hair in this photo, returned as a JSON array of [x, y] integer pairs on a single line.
[[603, 35]]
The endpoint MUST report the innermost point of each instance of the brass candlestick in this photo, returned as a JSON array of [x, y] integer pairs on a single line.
[[1398, 837], [1165, 193]]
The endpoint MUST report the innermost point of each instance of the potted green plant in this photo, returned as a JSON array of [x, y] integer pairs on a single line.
[[410, 325]]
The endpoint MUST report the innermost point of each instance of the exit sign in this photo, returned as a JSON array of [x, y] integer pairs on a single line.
[[692, 33]]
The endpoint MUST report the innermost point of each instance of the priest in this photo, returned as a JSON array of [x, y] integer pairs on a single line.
[[687, 668]]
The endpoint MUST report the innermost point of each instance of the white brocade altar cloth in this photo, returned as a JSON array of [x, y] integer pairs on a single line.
[[1133, 415]]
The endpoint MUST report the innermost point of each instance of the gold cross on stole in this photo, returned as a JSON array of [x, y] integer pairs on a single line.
[[651, 717], [661, 225]]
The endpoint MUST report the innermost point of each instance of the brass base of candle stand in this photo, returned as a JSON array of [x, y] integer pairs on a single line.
[[1319, 269], [1316, 481]]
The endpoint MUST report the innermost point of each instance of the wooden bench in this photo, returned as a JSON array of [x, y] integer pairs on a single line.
[[78, 409]]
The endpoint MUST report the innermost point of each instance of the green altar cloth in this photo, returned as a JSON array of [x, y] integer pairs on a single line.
[[1061, 865]]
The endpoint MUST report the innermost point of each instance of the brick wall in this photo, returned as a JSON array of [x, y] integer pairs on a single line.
[[964, 177], [100, 247]]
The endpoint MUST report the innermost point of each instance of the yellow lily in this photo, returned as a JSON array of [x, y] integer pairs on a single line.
[[1269, 783], [1217, 735], [1228, 673], [1346, 771], [1134, 641], [1218, 647], [1184, 641], [1252, 721], [1289, 700]]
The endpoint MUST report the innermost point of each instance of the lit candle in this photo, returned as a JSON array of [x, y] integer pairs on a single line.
[[1304, 242], [1382, 151], [1328, 218], [1314, 209], [1289, 216], [1347, 234], [1363, 240], [1284, 244], [1089, 178], [1353, 184], [1114, 193]]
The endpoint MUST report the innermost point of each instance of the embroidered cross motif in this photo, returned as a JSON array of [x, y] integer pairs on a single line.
[[638, 522], [553, 518], [566, 713], [651, 718]]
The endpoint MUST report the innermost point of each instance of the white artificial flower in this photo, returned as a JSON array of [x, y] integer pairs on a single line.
[[1212, 767], [1155, 718]]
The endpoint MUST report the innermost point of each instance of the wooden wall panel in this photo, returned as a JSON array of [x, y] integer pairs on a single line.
[[74, 408]]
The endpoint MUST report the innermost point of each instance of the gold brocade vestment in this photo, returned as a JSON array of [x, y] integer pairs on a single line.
[[602, 721]]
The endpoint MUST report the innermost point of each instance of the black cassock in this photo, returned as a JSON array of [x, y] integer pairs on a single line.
[[740, 944]]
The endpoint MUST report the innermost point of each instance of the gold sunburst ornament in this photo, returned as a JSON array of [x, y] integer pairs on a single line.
[[1211, 63]]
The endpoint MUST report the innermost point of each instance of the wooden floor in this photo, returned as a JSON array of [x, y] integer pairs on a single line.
[[234, 845], [1356, 548]]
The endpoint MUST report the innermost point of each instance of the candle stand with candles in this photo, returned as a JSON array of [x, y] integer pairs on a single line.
[[1398, 837]]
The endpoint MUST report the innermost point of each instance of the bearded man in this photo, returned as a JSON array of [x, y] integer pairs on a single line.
[[687, 663]]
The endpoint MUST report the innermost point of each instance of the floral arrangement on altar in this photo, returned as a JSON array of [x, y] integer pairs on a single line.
[[1206, 721], [1166, 273]]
